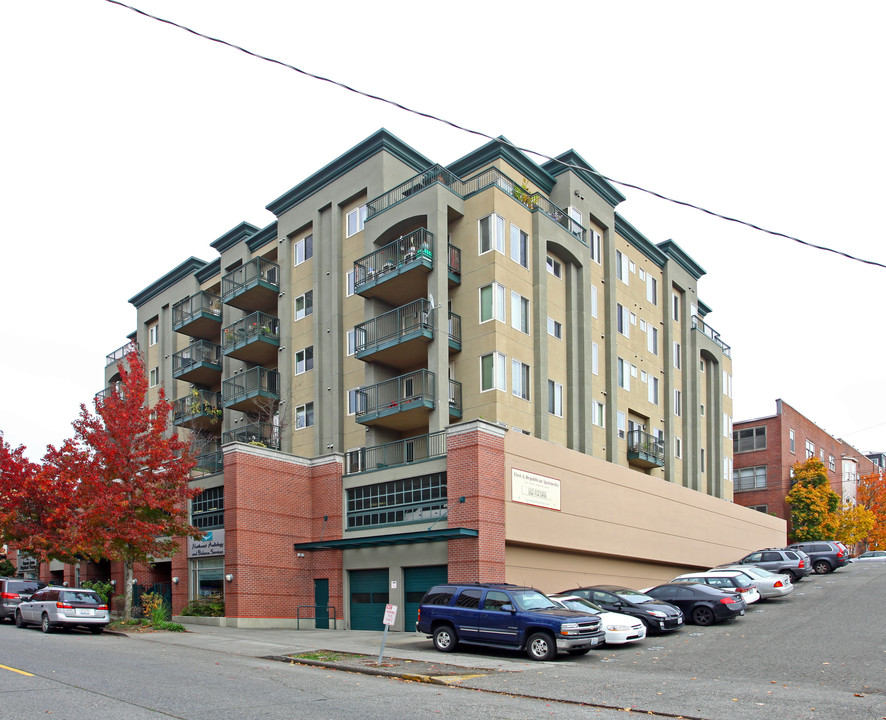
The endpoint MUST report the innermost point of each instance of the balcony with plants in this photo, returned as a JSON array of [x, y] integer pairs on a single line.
[[401, 403], [252, 391], [254, 339], [397, 272], [199, 363], [255, 285], [260, 434], [199, 410], [199, 316], [645, 450]]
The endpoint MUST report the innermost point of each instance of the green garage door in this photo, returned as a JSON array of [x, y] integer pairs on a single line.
[[418, 580], [369, 595]]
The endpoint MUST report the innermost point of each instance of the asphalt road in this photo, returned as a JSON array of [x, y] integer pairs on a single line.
[[819, 653]]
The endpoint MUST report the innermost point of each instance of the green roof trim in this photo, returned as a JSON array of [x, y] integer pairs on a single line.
[[188, 267], [639, 241], [374, 144], [236, 234], [501, 149], [210, 271], [676, 253], [263, 236], [588, 175], [703, 309], [391, 539]]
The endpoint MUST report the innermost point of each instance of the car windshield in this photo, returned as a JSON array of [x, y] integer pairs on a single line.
[[581, 604], [532, 600], [633, 596]]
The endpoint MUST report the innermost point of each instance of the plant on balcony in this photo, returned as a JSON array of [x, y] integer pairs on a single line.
[[266, 330], [522, 193], [229, 336]]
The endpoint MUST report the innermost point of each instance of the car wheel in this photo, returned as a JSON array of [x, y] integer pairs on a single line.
[[702, 615], [96, 629], [795, 577], [821, 567], [44, 624], [445, 639], [540, 646], [19, 621]]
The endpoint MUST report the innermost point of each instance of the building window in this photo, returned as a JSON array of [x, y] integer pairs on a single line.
[[492, 372], [304, 305], [727, 428], [520, 379], [304, 415], [621, 424], [303, 250], [350, 290], [356, 401], [598, 413], [727, 384], [519, 313], [702, 460], [555, 329], [154, 377], [304, 360], [519, 246], [624, 374], [652, 340], [758, 508], [575, 221], [676, 306], [595, 358], [623, 320], [208, 576], [492, 303], [793, 443], [653, 390], [593, 301], [678, 403], [555, 398], [621, 266], [554, 267], [492, 234], [810, 449], [355, 220], [749, 439], [152, 334], [352, 342], [832, 465], [749, 478], [677, 358], [701, 409], [652, 289], [596, 248], [678, 448], [411, 500], [208, 509]]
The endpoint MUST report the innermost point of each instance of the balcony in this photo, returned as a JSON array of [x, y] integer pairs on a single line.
[[199, 363], [208, 463], [253, 286], [702, 326], [399, 452], [199, 316], [254, 339], [455, 400], [397, 273], [413, 186], [198, 410], [120, 353], [645, 450], [108, 392], [261, 434], [402, 403], [251, 391], [397, 338]]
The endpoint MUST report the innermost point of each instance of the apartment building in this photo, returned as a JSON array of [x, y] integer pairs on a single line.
[[766, 450], [420, 372]]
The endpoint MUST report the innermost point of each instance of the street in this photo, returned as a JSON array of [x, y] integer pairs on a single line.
[[818, 653]]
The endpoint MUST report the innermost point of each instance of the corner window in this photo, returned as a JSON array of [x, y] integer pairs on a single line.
[[303, 250], [492, 303], [355, 220], [491, 232], [492, 372]]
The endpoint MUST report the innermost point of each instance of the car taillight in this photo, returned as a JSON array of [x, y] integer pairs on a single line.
[[64, 606], [801, 564], [102, 607], [728, 600], [9, 596], [840, 554], [778, 583], [418, 617]]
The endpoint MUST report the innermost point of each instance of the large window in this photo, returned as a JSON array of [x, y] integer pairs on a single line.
[[492, 234], [207, 577], [519, 246], [208, 509], [412, 500], [749, 439], [355, 220], [749, 478], [303, 250], [520, 379], [519, 313], [492, 303], [493, 372], [304, 415], [304, 360], [304, 305]]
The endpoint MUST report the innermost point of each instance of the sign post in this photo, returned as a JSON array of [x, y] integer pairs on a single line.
[[390, 617]]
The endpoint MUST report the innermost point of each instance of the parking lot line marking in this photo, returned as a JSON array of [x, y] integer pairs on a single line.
[[20, 672]]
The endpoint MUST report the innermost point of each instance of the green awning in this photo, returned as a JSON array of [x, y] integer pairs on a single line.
[[391, 539]]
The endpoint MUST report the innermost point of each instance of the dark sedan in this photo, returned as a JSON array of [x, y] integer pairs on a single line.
[[701, 604], [658, 616]]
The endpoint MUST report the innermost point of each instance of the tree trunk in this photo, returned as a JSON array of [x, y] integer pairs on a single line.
[[127, 583]]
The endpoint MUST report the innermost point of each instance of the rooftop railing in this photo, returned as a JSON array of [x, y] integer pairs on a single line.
[[120, 353], [259, 433], [701, 325]]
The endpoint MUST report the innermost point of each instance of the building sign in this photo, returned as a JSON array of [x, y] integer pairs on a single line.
[[532, 489], [211, 544]]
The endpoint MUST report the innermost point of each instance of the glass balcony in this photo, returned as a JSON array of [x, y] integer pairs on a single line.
[[645, 450], [208, 463], [120, 353], [702, 326], [254, 339], [260, 434], [253, 286], [399, 452], [199, 410], [254, 390], [401, 403], [199, 363], [199, 316], [397, 272]]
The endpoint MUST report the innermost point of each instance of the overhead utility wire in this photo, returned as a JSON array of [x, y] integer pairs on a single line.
[[499, 139]]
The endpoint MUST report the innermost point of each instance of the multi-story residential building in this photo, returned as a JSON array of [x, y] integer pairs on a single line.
[[766, 450], [416, 372]]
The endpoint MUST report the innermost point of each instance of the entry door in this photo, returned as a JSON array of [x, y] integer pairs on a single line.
[[321, 600], [369, 595]]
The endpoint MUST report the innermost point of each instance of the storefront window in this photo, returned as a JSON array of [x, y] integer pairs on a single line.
[[208, 576]]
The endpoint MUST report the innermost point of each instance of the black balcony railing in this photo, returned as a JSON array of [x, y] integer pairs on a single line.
[[644, 449], [203, 304], [413, 186], [208, 463], [120, 353], [405, 323], [205, 404], [260, 434], [399, 452], [702, 326]]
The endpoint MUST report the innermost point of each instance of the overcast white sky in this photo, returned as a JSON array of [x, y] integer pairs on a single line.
[[127, 146]]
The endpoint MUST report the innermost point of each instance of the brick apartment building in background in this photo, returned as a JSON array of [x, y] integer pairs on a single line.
[[419, 372], [766, 449]]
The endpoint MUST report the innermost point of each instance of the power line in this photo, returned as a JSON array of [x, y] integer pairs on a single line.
[[481, 134]]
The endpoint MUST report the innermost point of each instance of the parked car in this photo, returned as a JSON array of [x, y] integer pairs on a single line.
[[731, 580], [53, 607], [700, 603], [769, 585], [619, 628], [779, 560], [13, 591], [658, 616], [826, 555], [508, 616], [874, 555]]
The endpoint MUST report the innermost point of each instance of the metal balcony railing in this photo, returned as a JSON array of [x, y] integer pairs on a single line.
[[404, 252], [120, 353], [396, 394], [399, 452], [455, 406], [404, 323], [202, 304], [255, 382], [256, 326], [646, 449], [434, 174], [201, 352], [257, 271], [198, 403], [261, 434], [701, 325]]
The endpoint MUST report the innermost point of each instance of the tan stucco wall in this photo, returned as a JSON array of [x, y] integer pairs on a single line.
[[618, 525]]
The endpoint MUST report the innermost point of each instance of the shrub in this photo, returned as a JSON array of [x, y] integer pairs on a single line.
[[102, 587], [208, 606]]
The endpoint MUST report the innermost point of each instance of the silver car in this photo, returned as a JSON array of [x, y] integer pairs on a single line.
[[769, 585], [54, 607]]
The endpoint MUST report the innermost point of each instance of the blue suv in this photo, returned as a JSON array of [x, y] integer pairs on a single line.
[[506, 616]]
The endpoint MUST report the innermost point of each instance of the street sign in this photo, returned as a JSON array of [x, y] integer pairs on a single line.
[[390, 614]]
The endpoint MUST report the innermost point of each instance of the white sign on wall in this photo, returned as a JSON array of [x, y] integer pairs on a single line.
[[211, 544], [532, 489]]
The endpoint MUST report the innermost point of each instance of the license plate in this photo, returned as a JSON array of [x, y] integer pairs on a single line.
[[741, 612], [85, 611], [595, 641]]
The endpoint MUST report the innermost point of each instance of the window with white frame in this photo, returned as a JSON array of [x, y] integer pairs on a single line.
[[678, 403], [492, 303], [354, 400], [304, 415], [154, 377], [595, 358], [641, 273], [832, 464], [593, 301], [555, 329], [620, 421], [596, 248], [491, 234], [350, 290], [727, 426], [621, 266], [623, 320], [152, 334], [493, 372], [793, 442], [810, 449], [303, 250], [554, 267], [303, 305], [675, 305], [652, 340], [677, 357], [749, 478], [520, 379], [598, 413], [652, 289], [678, 447], [355, 219], [624, 374], [519, 246], [519, 313], [575, 218], [352, 342], [555, 398], [304, 360], [727, 384], [653, 390]]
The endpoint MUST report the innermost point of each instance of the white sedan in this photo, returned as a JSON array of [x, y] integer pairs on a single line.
[[731, 581], [619, 629], [769, 584], [872, 555]]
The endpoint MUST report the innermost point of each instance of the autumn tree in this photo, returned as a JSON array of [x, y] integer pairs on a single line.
[[871, 494], [813, 503]]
